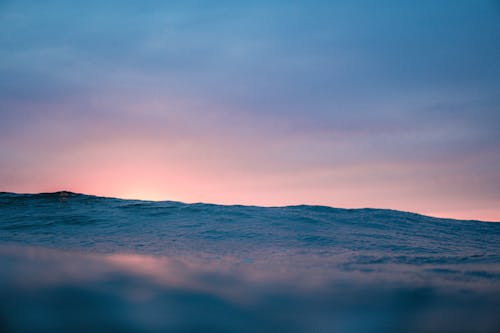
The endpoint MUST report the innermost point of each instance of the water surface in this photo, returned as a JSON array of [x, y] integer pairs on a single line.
[[72, 262]]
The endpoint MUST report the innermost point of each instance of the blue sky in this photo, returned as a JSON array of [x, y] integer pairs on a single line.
[[346, 103]]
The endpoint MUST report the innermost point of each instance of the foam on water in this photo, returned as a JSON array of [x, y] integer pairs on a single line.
[[72, 262]]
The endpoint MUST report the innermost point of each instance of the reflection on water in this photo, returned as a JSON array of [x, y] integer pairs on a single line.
[[136, 266], [53, 291]]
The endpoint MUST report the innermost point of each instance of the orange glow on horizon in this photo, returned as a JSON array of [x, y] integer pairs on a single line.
[[220, 173]]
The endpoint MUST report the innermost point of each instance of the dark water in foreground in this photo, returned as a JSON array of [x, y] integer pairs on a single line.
[[76, 263]]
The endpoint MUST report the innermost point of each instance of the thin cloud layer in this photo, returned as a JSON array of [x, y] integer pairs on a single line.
[[387, 104]]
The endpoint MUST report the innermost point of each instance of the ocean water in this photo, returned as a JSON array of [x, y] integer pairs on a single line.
[[76, 263]]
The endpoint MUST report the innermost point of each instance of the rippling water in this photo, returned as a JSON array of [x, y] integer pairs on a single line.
[[71, 262]]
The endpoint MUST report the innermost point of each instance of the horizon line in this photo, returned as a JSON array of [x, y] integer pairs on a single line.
[[246, 205]]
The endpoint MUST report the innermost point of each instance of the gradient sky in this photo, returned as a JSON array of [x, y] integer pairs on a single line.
[[390, 104]]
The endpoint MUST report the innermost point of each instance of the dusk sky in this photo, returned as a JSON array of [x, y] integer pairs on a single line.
[[387, 104]]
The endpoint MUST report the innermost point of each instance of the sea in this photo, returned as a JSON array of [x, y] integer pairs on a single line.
[[79, 263]]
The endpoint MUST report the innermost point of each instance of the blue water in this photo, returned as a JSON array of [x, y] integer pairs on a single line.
[[72, 262]]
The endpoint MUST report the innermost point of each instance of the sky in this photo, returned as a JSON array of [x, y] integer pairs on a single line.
[[387, 104]]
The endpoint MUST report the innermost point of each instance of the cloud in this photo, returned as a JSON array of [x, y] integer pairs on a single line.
[[296, 91]]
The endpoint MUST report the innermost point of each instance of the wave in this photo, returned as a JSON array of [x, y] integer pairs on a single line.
[[32, 217], [74, 262]]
